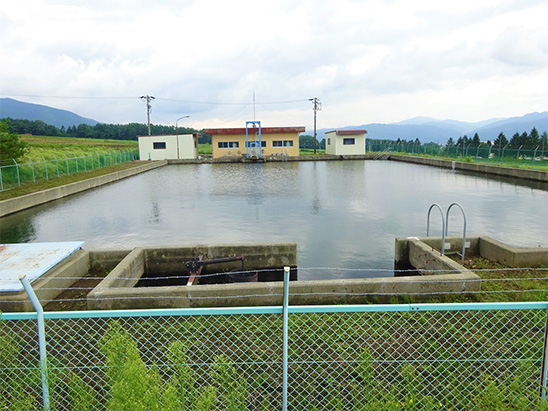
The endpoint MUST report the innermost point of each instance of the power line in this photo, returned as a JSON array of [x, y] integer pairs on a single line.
[[71, 97]]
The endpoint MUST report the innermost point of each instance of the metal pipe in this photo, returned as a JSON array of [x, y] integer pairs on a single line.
[[544, 370], [464, 226], [45, 167], [285, 337], [442, 225], [41, 338], [17, 170]]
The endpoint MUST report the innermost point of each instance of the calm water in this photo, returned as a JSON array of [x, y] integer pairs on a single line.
[[341, 214]]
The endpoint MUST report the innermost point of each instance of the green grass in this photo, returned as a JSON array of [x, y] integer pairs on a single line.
[[31, 187], [205, 148], [310, 152], [57, 147], [504, 162]]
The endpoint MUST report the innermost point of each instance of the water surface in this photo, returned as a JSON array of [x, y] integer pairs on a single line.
[[341, 214]]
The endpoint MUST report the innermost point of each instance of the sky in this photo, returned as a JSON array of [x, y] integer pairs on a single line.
[[227, 62]]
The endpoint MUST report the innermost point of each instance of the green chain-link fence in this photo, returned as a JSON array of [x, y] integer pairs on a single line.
[[15, 174], [444, 356], [523, 155]]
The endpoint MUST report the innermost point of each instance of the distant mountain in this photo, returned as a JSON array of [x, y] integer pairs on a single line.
[[27, 111], [428, 129]]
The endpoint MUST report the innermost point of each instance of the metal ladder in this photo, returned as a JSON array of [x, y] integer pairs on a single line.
[[445, 226]]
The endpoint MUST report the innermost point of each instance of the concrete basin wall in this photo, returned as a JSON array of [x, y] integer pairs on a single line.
[[118, 289], [50, 285], [13, 205], [346, 291], [494, 250], [169, 260], [534, 175]]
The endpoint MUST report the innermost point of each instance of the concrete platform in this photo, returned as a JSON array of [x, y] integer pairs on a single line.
[[32, 260]]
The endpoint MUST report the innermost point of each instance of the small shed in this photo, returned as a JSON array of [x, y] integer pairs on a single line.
[[170, 147], [345, 142]]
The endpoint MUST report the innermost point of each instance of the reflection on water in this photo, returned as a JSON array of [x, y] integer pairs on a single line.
[[341, 214]]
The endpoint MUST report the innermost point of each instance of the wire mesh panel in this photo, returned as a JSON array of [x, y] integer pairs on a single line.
[[340, 357], [20, 386], [434, 359], [184, 360]]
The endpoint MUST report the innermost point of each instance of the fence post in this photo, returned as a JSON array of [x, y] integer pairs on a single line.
[[57, 163], [76, 162], [41, 338], [66, 160], [45, 167], [32, 168], [544, 370], [17, 171], [285, 336], [1, 182], [85, 167]]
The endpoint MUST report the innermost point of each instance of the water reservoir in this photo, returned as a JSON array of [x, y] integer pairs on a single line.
[[343, 215]]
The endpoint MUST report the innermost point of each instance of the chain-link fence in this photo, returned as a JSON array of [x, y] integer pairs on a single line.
[[15, 174], [511, 155], [414, 356]]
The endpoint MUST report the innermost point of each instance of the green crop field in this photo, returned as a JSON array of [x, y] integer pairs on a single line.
[[50, 147]]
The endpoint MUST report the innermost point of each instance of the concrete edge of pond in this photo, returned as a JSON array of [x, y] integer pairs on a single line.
[[14, 205], [441, 275], [521, 173], [21, 203]]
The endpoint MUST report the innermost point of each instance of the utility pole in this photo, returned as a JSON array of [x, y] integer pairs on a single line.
[[316, 108], [148, 99]]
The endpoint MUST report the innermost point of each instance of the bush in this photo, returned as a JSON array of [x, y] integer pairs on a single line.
[[11, 147]]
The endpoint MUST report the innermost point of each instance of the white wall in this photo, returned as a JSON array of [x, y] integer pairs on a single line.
[[187, 147], [337, 147]]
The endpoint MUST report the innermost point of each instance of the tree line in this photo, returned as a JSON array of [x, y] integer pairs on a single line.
[[100, 130], [530, 140]]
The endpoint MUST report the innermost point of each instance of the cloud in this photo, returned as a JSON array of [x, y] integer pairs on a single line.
[[366, 60]]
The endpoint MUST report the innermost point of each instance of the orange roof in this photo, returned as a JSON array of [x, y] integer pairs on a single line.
[[264, 130]]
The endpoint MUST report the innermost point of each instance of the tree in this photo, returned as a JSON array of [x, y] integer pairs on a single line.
[[476, 140], [534, 137], [450, 142], [11, 147], [501, 140], [306, 141]]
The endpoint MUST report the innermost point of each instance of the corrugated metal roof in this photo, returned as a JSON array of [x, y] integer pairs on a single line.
[[31, 259]]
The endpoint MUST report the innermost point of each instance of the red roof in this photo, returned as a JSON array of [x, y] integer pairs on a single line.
[[264, 130], [348, 132], [173, 135]]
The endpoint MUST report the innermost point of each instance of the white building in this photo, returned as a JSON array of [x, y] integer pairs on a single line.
[[345, 142], [170, 147]]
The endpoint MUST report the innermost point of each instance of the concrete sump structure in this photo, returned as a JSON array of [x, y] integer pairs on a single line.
[[125, 271]]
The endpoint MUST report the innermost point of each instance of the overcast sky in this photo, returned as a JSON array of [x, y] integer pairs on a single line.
[[367, 61]]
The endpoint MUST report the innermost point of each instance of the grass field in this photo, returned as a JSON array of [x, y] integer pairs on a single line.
[[51, 147]]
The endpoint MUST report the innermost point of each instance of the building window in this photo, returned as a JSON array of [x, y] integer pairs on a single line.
[[329, 141], [349, 141], [228, 144], [159, 145], [250, 144], [282, 143]]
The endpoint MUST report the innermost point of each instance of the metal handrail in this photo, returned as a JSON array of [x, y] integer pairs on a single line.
[[442, 226], [463, 229]]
